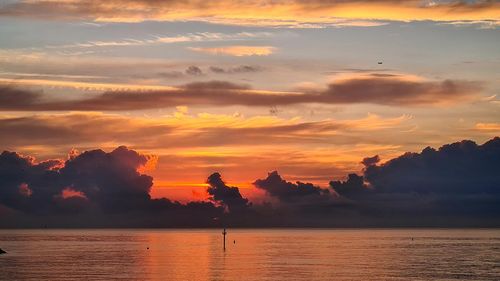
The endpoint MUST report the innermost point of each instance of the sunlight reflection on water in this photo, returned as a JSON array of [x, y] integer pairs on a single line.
[[258, 254]]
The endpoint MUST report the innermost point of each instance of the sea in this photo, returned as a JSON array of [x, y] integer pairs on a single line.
[[250, 254]]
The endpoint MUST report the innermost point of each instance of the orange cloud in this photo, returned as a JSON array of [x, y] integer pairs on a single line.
[[151, 163], [237, 51], [490, 127], [70, 192], [89, 86], [260, 12], [190, 146]]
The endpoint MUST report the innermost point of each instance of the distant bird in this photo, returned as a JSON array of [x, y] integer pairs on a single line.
[[379, 62], [2, 252]]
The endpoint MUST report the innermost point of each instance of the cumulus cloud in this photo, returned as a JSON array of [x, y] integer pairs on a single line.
[[455, 185], [109, 180], [462, 167], [93, 182], [368, 161], [351, 188], [458, 181], [228, 196], [285, 191], [23, 182], [375, 89]]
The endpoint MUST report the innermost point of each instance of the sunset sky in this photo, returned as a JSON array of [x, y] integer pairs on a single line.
[[244, 88]]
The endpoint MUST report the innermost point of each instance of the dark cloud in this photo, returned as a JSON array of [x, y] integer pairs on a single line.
[[459, 181], [111, 180], [15, 99], [458, 168], [236, 69], [228, 196], [395, 91], [23, 183], [68, 129], [194, 71], [373, 89], [352, 188], [285, 191], [94, 183], [301, 204], [368, 161], [455, 185]]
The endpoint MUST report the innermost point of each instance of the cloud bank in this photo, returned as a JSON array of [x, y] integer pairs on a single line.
[[88, 186], [455, 185], [458, 182], [384, 89]]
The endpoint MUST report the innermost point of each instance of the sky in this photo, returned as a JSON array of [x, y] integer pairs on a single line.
[[279, 99]]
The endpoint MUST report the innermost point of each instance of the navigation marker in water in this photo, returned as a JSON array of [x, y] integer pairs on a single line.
[[224, 232]]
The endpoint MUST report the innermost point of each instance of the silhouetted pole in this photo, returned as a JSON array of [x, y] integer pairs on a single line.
[[224, 234]]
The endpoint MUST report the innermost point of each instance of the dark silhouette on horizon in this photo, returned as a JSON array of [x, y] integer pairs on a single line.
[[456, 185]]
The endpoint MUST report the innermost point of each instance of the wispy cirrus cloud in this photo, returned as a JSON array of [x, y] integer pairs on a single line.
[[159, 39], [481, 24]]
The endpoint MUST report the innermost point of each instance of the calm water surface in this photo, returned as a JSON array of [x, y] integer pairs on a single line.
[[258, 254]]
